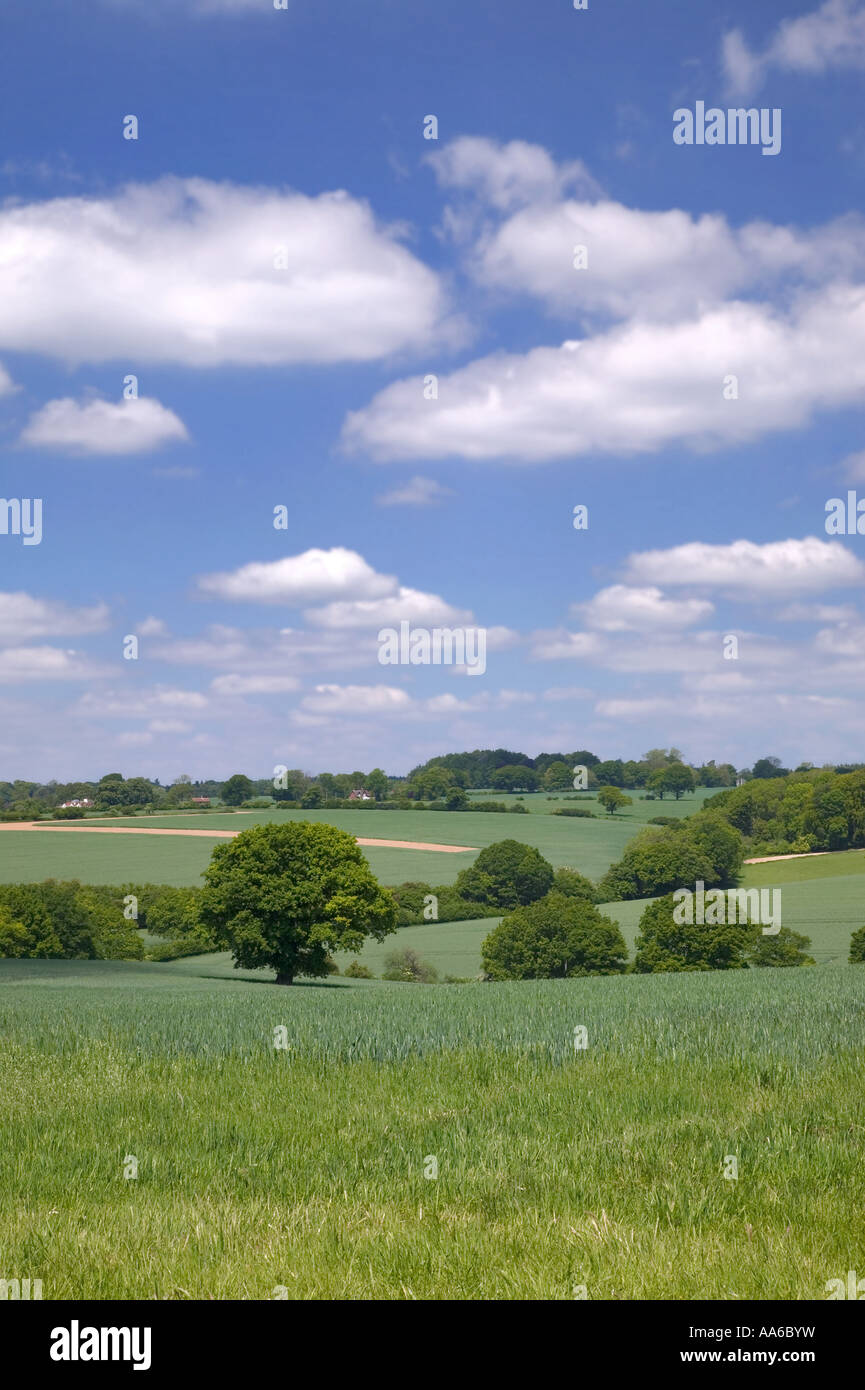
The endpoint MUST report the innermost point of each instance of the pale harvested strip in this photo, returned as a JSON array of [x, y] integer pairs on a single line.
[[811, 854], [220, 835]]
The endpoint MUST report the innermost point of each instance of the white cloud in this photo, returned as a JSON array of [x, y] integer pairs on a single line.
[[635, 388], [407, 605], [622, 608], [816, 613], [311, 577], [19, 665], [417, 492], [654, 264], [7, 385], [260, 684], [160, 702], [357, 699], [660, 264], [778, 568], [23, 618], [560, 645], [104, 427], [832, 36], [182, 270], [506, 175], [152, 627]]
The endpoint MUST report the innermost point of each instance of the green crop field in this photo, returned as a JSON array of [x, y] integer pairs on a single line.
[[588, 845], [30, 855], [303, 1169], [642, 810]]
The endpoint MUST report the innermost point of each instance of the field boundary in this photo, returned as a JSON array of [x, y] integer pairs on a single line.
[[220, 835]]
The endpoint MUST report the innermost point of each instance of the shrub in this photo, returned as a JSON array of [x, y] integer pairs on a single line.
[[656, 861], [356, 971], [784, 948], [15, 939], [573, 885], [67, 921], [554, 938], [412, 903], [174, 950], [574, 811], [665, 945], [506, 874], [406, 965], [857, 947]]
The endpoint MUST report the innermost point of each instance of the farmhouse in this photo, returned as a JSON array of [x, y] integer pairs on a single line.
[[360, 795], [82, 802], [201, 801]]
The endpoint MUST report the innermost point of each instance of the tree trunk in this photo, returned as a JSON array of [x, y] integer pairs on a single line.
[[283, 978]]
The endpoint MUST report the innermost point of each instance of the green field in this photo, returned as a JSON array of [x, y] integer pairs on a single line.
[[588, 845], [304, 1169], [30, 855]]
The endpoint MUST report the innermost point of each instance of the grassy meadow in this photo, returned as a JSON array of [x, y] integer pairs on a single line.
[[588, 845], [262, 1170], [303, 1169]]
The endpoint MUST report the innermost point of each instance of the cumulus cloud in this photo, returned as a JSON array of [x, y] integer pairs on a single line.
[[152, 627], [507, 175], [831, 37], [417, 492], [311, 577], [204, 274], [21, 665], [357, 699], [258, 684], [160, 702], [635, 388], [622, 608], [407, 605], [777, 569], [23, 618], [658, 264], [7, 385], [638, 263], [360, 597], [104, 427]]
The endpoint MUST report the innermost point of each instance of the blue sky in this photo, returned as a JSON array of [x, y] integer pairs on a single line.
[[297, 137]]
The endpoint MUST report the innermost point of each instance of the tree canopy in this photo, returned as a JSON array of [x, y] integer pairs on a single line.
[[554, 938], [286, 895], [506, 874]]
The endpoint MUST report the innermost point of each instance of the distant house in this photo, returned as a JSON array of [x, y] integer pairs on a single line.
[[201, 801], [82, 803], [360, 795]]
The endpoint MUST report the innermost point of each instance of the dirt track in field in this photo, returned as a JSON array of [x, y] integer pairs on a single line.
[[218, 835]]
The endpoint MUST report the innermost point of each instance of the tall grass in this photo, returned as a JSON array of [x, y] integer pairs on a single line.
[[303, 1169]]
